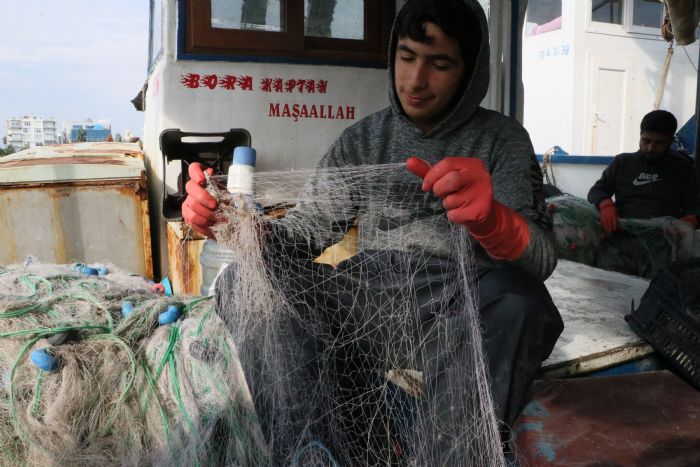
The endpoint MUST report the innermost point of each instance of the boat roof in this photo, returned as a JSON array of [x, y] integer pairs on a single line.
[[71, 162]]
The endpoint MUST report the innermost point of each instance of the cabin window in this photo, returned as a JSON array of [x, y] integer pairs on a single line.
[[543, 16], [607, 11], [647, 13], [155, 41], [322, 20], [354, 32], [260, 15]]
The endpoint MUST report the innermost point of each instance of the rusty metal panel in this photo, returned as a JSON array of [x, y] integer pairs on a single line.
[[64, 223], [646, 419], [85, 202], [184, 248]]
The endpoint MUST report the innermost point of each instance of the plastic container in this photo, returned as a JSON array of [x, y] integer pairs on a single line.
[[214, 259], [240, 174], [668, 317]]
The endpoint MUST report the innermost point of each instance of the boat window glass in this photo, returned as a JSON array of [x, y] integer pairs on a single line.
[[352, 32], [156, 31], [543, 16], [647, 13], [336, 19], [260, 15], [607, 11]]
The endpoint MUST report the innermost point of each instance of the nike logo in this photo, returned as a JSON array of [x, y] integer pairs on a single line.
[[645, 179]]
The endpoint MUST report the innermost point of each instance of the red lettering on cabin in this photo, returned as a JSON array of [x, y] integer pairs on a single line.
[[210, 81], [245, 82], [228, 82], [298, 112], [266, 85], [190, 80]]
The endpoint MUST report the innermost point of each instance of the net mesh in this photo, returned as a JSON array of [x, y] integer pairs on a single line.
[[126, 391], [368, 352], [579, 235]]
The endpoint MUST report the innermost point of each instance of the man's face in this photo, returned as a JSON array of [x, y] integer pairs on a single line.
[[427, 76], [654, 145]]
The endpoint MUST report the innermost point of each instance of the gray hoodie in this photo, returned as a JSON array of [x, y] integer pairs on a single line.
[[388, 136]]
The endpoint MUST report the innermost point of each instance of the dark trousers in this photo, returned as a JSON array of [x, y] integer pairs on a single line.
[[346, 333]]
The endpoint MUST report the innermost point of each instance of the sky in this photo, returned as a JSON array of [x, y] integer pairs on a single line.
[[73, 60]]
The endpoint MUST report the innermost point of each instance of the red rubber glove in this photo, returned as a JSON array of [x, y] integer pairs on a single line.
[[466, 190], [198, 208], [691, 219], [608, 215]]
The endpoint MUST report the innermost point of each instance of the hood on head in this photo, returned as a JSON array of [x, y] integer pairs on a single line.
[[476, 82]]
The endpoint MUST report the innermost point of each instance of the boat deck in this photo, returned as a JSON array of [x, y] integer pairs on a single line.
[[593, 304]]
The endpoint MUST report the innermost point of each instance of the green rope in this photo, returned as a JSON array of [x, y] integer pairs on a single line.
[[24, 433], [22, 311], [161, 410], [130, 379], [176, 387], [26, 280], [37, 393], [173, 335], [41, 332]]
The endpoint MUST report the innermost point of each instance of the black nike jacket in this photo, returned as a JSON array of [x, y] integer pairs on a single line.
[[645, 189]]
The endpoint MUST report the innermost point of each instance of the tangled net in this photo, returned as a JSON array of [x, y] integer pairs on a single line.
[[125, 391], [579, 233], [367, 353]]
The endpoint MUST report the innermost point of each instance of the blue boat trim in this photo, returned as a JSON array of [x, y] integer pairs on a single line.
[[583, 160]]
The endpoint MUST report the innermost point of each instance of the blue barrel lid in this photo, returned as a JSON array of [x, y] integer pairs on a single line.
[[244, 155]]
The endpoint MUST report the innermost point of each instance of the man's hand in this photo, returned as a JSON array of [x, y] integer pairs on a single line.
[[691, 219], [198, 208], [465, 187], [608, 215], [466, 190]]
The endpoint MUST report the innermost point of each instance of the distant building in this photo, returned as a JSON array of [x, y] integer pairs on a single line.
[[93, 132], [29, 131]]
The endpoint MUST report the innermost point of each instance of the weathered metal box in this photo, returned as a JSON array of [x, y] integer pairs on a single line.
[[84, 202]]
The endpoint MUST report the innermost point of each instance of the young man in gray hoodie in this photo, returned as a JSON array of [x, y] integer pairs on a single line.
[[481, 167]]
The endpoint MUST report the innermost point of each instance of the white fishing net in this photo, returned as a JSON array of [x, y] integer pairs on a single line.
[[367, 354], [653, 243], [120, 390]]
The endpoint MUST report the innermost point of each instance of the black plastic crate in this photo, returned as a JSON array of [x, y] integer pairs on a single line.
[[668, 317], [211, 149]]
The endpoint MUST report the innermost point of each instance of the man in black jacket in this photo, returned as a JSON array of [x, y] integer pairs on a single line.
[[652, 182]]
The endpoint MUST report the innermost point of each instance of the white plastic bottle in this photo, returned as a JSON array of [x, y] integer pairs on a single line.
[[215, 257]]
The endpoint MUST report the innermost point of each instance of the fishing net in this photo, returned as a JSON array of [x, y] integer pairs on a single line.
[[116, 387], [652, 243], [368, 352]]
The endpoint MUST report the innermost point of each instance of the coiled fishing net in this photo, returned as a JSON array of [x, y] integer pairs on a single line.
[[367, 353], [126, 391], [579, 234]]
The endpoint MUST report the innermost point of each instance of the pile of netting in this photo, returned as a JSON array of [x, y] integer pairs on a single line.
[[579, 233], [368, 352], [100, 370]]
